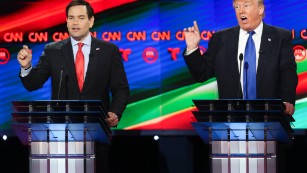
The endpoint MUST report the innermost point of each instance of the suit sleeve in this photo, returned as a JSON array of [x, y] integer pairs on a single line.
[[39, 74], [287, 69], [201, 66], [118, 85]]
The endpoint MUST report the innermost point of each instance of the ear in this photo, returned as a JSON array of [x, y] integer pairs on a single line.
[[92, 19], [261, 10]]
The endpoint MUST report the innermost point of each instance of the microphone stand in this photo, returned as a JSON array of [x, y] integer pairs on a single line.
[[246, 68], [60, 83], [239, 88]]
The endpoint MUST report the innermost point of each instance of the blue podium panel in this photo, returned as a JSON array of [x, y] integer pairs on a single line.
[[60, 132], [60, 120], [242, 131], [243, 120]]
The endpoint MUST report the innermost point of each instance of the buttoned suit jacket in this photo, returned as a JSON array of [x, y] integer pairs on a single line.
[[105, 74], [276, 73]]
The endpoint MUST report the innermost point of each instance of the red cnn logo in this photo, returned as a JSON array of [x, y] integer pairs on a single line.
[[150, 55], [4, 56], [299, 52]]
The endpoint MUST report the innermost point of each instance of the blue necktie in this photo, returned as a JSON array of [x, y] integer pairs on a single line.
[[249, 76]]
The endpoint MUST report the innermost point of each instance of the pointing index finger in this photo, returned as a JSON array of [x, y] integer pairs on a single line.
[[25, 47], [196, 26]]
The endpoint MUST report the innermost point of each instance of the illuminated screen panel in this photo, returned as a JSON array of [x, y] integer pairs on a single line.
[[149, 36]]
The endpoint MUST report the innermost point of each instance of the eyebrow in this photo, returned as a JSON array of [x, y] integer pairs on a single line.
[[77, 16], [243, 2]]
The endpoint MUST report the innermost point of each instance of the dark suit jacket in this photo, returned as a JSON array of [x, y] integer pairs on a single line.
[[276, 73], [105, 74]]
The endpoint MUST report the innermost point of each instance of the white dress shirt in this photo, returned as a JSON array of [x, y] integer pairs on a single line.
[[242, 44]]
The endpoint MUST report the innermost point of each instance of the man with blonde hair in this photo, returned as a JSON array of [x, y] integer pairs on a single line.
[[250, 61], [273, 58]]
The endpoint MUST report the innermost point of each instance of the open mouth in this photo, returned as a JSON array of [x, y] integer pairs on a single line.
[[243, 19]]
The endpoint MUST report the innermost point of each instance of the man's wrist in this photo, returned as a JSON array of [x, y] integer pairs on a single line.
[[27, 67], [189, 51]]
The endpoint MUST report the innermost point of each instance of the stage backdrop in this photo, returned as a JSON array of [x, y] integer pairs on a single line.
[[149, 35]]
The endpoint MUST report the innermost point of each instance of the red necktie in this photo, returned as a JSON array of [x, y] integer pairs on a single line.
[[80, 66]]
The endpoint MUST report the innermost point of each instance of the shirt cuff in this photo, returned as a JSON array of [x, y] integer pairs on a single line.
[[25, 72], [190, 51]]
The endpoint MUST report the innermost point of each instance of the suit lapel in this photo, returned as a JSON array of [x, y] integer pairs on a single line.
[[69, 60], [232, 50], [93, 59], [267, 40]]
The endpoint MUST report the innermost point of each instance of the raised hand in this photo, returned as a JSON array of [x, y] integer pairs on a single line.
[[192, 36], [24, 57]]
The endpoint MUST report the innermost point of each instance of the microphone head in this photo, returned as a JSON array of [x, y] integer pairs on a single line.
[[241, 56], [246, 65]]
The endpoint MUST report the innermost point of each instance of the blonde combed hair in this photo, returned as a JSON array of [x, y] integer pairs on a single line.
[[260, 3]]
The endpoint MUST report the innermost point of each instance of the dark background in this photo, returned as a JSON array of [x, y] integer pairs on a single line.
[[142, 154]]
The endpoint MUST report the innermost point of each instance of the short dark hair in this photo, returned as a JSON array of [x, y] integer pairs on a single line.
[[89, 8]]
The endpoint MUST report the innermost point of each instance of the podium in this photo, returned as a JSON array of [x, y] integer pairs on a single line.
[[243, 135], [61, 134]]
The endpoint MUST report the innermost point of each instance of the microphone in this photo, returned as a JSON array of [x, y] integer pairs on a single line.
[[239, 88], [66, 86], [261, 52], [60, 83], [246, 68]]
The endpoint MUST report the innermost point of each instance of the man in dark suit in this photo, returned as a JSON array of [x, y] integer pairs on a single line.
[[276, 67], [104, 68], [101, 70], [275, 77]]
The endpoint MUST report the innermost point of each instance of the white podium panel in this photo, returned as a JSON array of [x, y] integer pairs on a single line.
[[243, 157], [62, 157]]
